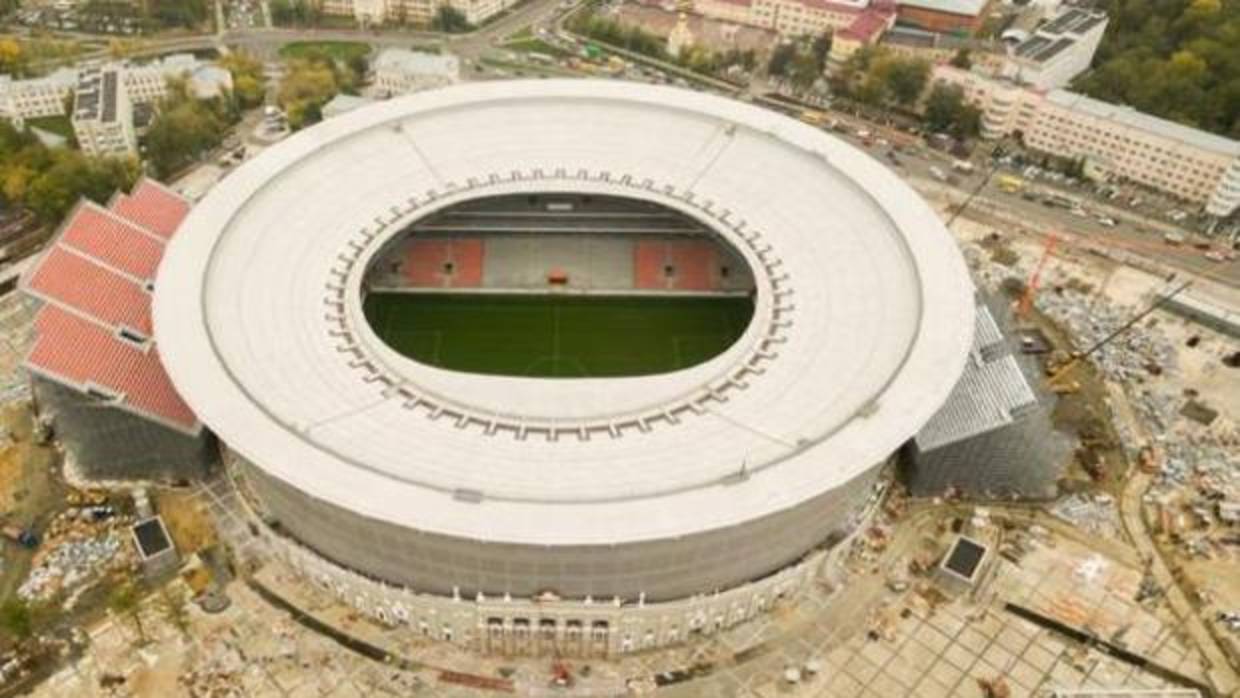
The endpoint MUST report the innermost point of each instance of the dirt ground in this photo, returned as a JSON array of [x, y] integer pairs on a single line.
[[190, 526], [31, 492]]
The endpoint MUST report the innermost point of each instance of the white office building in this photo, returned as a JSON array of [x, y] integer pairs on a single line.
[[1115, 140], [28, 99], [102, 113], [1057, 51]]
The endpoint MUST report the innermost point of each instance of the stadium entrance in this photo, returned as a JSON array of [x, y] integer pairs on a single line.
[[559, 286]]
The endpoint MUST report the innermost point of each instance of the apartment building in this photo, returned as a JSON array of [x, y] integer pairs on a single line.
[[1119, 141], [413, 11], [102, 113], [143, 84], [1115, 141], [29, 99], [398, 71]]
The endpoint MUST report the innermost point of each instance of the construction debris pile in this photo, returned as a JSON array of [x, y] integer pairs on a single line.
[[1131, 358], [83, 544], [1196, 499], [1094, 514], [219, 676]]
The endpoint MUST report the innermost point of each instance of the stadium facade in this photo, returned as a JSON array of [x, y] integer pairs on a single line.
[[655, 487]]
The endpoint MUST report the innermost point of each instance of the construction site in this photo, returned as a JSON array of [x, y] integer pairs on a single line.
[[1066, 525]]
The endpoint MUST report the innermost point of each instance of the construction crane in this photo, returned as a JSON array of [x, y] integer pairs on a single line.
[[995, 155], [1035, 278], [1057, 374]]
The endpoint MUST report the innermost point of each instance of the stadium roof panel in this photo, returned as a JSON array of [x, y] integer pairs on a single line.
[[113, 240], [152, 206], [863, 317]]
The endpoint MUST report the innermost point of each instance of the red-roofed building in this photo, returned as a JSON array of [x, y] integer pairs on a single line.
[[94, 364], [865, 30]]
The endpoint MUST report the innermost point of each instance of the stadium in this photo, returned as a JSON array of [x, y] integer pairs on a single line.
[[586, 339]]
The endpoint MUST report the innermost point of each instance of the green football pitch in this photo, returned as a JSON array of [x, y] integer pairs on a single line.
[[557, 336]]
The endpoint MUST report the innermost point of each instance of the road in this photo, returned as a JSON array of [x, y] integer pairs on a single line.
[[1222, 673]]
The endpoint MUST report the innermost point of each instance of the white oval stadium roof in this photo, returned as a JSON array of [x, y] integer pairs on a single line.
[[863, 317]]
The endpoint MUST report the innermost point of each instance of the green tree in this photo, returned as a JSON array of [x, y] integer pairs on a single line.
[[780, 58], [247, 77], [450, 20], [184, 129], [947, 111], [126, 600], [12, 57], [1177, 59], [16, 619], [308, 84], [896, 79], [173, 605], [963, 59]]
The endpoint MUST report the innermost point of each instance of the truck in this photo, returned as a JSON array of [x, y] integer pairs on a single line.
[[1010, 184]]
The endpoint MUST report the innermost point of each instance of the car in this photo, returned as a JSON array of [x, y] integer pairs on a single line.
[[1079, 212], [938, 173], [1106, 221]]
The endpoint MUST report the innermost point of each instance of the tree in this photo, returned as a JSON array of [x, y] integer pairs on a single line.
[[247, 76], [172, 604], [450, 20], [896, 79], [963, 59], [946, 110], [1175, 58], [16, 619], [780, 58], [12, 58], [71, 176], [126, 600], [184, 128], [821, 48], [308, 84]]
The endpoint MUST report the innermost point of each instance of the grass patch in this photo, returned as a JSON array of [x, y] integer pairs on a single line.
[[535, 45], [557, 336], [340, 51], [59, 125]]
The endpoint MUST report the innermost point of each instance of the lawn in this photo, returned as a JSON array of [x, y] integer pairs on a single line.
[[557, 336], [59, 125], [340, 51], [535, 45]]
